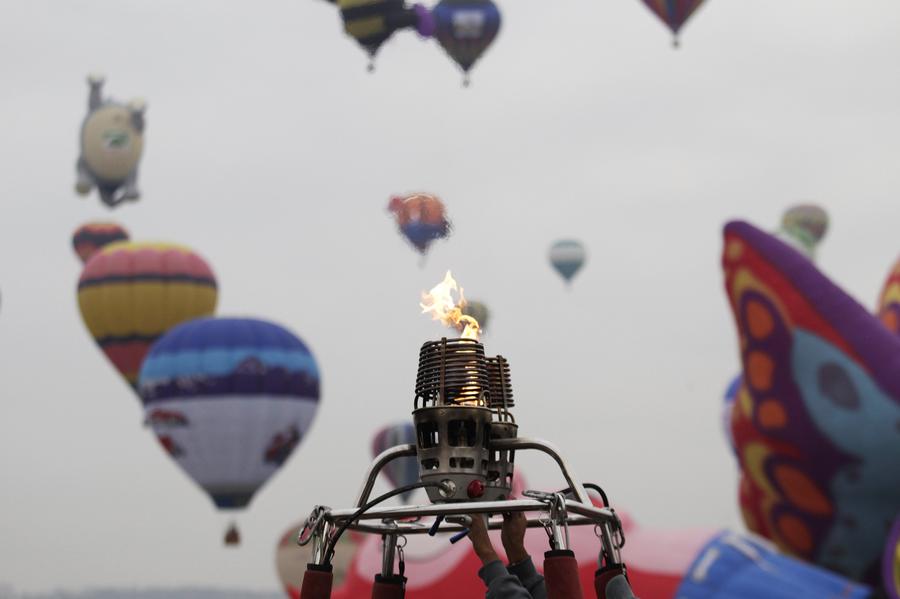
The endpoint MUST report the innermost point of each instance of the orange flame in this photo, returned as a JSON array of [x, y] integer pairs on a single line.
[[440, 303]]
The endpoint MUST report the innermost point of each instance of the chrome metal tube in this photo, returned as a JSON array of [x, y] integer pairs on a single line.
[[320, 542], [389, 552], [383, 458], [553, 452]]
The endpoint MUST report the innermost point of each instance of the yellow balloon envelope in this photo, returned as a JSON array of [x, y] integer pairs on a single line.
[[131, 293]]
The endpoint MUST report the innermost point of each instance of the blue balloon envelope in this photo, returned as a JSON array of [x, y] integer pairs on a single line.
[[733, 566]]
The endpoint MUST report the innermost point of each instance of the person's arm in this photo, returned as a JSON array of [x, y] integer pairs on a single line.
[[520, 563], [500, 583]]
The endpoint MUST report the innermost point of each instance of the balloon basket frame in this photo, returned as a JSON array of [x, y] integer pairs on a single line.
[[553, 511]]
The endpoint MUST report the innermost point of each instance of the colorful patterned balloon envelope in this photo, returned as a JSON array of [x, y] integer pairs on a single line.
[[421, 218], [90, 238], [889, 303], [230, 399], [816, 419], [130, 293]]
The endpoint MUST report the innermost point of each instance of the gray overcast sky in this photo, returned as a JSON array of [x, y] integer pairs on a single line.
[[272, 152]]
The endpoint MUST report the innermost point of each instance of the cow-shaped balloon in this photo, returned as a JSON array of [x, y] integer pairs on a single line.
[[112, 140]]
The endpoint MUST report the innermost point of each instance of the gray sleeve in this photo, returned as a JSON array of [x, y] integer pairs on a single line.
[[500, 583], [618, 588], [528, 575]]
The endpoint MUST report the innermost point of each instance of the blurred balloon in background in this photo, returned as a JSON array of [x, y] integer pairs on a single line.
[[94, 236], [674, 13], [112, 142], [402, 471], [889, 303], [805, 225], [567, 256], [465, 29], [130, 293], [373, 22], [421, 218], [230, 399], [291, 559], [479, 311]]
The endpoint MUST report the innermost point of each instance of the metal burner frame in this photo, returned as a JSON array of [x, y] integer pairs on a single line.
[[560, 512]]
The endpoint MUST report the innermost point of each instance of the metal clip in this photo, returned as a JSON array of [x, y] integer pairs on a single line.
[[312, 524]]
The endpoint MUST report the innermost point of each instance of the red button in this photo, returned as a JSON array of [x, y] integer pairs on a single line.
[[475, 489]]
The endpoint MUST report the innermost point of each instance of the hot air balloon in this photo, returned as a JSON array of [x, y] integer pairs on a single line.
[[674, 13], [804, 226], [479, 311], [815, 424], [567, 256], [291, 559], [229, 399], [372, 22], [421, 219], [404, 471], [91, 237], [112, 141], [130, 293], [465, 29]]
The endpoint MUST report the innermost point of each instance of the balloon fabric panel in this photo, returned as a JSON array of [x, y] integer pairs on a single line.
[[815, 420], [90, 238], [736, 566], [889, 304], [674, 13], [230, 399], [131, 293]]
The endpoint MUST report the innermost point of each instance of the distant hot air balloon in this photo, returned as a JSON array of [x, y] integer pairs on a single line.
[[421, 218], [403, 471], [291, 559], [804, 226], [674, 13], [230, 399], [112, 141], [465, 29], [567, 256], [89, 238], [479, 311], [372, 22], [130, 293]]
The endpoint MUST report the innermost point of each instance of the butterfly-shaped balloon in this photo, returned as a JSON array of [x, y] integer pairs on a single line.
[[816, 422]]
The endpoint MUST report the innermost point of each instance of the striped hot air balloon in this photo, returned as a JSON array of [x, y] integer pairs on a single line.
[[90, 238], [230, 399], [674, 13], [567, 256], [131, 293]]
